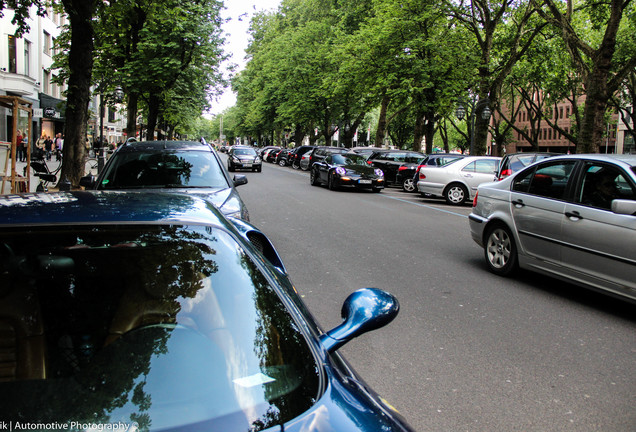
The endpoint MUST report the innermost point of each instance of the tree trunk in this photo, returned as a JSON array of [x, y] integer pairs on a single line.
[[381, 132], [153, 113], [80, 13], [131, 120]]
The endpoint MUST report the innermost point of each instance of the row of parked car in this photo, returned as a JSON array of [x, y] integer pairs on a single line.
[[452, 176]]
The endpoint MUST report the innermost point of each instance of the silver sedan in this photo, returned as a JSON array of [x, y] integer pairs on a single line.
[[457, 181], [570, 217]]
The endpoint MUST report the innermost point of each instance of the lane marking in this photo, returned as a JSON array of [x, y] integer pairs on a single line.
[[423, 205]]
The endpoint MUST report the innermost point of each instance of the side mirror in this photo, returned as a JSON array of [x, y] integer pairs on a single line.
[[364, 310], [239, 179], [626, 207], [88, 181]]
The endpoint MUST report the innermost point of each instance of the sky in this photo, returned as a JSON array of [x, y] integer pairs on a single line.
[[239, 12]]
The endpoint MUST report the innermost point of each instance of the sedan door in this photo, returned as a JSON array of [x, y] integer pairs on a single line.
[[478, 172], [537, 205], [598, 245]]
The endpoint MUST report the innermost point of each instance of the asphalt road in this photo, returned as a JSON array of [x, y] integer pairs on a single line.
[[470, 351]]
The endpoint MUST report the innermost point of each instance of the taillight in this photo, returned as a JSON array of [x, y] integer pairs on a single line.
[[422, 176], [475, 199], [402, 168], [505, 173]]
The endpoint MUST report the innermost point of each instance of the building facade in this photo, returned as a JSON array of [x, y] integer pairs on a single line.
[[26, 71]]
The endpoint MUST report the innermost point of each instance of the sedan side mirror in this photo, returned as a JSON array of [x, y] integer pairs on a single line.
[[364, 310], [626, 207], [239, 179], [88, 181]]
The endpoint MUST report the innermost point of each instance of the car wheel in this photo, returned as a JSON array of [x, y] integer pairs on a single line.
[[282, 162], [500, 250], [408, 185], [456, 194], [331, 182], [313, 178], [259, 169], [295, 165]]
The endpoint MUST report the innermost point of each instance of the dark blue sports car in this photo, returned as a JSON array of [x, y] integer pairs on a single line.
[[346, 170], [152, 311]]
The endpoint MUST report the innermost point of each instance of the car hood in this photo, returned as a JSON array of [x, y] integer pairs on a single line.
[[227, 200], [369, 170]]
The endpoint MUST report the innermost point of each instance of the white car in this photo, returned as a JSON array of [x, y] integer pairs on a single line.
[[571, 217], [457, 181]]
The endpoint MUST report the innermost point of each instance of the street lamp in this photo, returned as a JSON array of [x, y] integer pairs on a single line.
[[460, 113], [118, 96]]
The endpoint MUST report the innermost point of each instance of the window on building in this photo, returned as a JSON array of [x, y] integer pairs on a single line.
[[46, 82], [27, 58], [13, 61], [47, 44]]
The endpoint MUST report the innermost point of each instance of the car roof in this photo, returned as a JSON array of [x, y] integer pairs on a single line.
[[88, 207], [141, 146], [627, 160]]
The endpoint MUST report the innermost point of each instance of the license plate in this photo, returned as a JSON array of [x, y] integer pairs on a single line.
[[247, 165], [365, 181]]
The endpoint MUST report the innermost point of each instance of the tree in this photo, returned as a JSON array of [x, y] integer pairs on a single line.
[[594, 55]]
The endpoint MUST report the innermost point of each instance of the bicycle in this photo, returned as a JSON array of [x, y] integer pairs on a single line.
[[42, 171], [90, 166]]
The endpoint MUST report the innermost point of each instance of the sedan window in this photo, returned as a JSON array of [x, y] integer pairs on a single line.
[[603, 183], [548, 180]]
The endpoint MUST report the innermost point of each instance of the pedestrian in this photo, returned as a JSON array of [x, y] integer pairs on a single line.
[[25, 146], [48, 147], [19, 146], [59, 143]]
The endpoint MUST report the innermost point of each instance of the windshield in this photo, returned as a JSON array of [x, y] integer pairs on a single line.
[[245, 152], [163, 169], [348, 159], [160, 326]]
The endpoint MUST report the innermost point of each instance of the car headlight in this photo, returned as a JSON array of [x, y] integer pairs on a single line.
[[235, 159], [341, 171], [257, 160], [378, 172]]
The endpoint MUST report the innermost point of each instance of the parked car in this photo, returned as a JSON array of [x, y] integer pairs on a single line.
[[513, 162], [180, 166], [244, 157], [570, 217], [346, 170], [321, 152], [457, 181], [271, 154], [282, 158], [365, 151], [151, 310], [305, 161], [408, 176], [297, 153], [390, 161], [262, 150]]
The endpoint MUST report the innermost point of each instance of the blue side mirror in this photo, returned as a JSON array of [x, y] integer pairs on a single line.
[[364, 310]]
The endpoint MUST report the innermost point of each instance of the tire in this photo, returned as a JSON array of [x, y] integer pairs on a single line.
[[313, 178], [259, 169], [408, 185], [331, 183], [90, 167], [282, 162], [295, 165], [456, 194], [500, 250]]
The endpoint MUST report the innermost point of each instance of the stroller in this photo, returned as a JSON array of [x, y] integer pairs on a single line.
[[41, 170]]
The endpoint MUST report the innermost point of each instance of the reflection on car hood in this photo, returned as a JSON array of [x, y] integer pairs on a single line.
[[359, 168]]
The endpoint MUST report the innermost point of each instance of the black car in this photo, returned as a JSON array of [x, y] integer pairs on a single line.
[[390, 161], [282, 158], [297, 153], [409, 184], [180, 166], [346, 170], [321, 152], [244, 157], [144, 311], [513, 162]]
